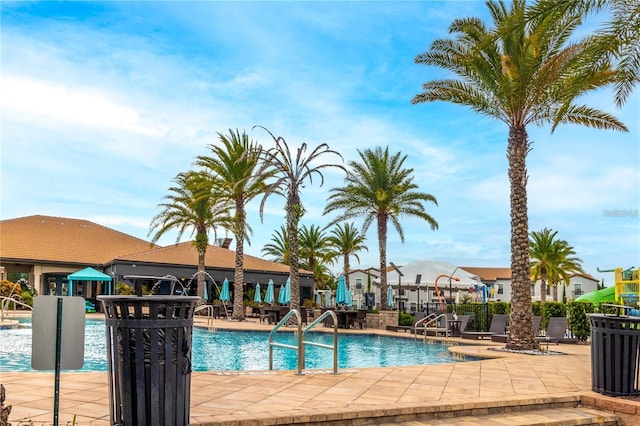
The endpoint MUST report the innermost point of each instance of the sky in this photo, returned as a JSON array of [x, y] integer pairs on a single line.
[[103, 104]]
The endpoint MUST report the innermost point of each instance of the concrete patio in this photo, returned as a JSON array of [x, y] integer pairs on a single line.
[[357, 396]]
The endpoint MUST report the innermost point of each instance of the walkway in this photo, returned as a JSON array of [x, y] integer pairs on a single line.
[[280, 397]]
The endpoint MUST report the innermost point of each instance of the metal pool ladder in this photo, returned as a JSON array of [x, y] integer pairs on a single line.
[[301, 342]]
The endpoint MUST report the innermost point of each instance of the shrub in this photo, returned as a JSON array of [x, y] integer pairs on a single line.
[[578, 320], [27, 298], [405, 318]]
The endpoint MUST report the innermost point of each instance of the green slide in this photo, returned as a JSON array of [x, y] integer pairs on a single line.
[[599, 296]]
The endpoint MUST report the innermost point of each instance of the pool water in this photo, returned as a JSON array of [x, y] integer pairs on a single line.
[[246, 350]]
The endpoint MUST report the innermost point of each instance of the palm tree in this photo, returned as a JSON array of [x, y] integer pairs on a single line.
[[380, 188], [278, 248], [617, 41], [566, 266], [233, 168], [520, 72], [347, 241], [190, 205], [290, 174], [542, 250], [314, 249]]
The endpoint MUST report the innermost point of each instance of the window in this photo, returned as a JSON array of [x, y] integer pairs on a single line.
[[548, 290], [359, 283], [577, 289], [500, 288]]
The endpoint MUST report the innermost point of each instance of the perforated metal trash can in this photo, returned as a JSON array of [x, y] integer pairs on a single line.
[[615, 354], [149, 358]]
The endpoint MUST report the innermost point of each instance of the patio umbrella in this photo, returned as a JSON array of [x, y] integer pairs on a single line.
[[318, 298], [390, 297], [224, 293], [284, 297], [349, 301], [268, 297], [257, 297], [341, 291]]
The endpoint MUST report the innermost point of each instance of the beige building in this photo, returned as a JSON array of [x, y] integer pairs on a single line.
[[49, 249]]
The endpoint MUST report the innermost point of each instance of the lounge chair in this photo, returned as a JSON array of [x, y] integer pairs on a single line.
[[498, 326], [502, 338], [438, 327], [557, 331]]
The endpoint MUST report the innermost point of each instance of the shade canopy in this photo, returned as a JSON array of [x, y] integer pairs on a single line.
[[88, 274]]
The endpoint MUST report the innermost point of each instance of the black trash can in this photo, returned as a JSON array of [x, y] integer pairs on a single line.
[[615, 354], [149, 358]]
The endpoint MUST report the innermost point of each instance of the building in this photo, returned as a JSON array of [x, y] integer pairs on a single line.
[[49, 249]]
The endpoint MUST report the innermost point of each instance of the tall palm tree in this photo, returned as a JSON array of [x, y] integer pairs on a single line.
[[520, 72], [278, 248], [380, 188], [314, 249], [616, 41], [290, 173], [233, 168], [347, 241], [190, 205]]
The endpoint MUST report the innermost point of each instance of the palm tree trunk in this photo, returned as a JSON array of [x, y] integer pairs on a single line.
[[238, 283], [201, 268], [555, 292], [345, 258], [382, 246], [293, 208], [543, 284], [521, 318]]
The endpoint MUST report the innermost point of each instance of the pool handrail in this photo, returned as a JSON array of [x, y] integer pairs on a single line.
[[298, 347], [429, 317], [322, 345], [435, 321], [209, 309], [6, 301]]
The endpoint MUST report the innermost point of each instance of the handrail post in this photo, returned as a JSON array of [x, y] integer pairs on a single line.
[[335, 338]]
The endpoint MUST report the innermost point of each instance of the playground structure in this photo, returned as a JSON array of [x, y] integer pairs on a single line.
[[627, 286], [625, 291]]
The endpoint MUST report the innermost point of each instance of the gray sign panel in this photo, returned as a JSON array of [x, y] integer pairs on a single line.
[[43, 339]]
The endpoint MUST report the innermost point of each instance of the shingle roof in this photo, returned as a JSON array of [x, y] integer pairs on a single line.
[[186, 254], [59, 239], [488, 274]]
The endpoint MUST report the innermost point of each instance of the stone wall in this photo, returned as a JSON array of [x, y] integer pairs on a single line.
[[382, 319]]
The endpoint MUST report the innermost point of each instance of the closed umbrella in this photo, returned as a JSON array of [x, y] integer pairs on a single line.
[[318, 298], [349, 300], [257, 297], [268, 297], [390, 297], [284, 297], [224, 294], [341, 291]]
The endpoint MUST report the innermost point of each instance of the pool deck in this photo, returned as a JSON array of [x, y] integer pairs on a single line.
[[282, 397]]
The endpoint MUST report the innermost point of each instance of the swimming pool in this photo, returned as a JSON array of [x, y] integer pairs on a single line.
[[245, 350]]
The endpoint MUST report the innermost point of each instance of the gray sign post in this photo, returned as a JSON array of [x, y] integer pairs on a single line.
[[57, 339]]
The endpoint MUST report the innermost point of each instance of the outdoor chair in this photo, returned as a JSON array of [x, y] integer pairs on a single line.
[[502, 338], [263, 315], [361, 319], [557, 331], [498, 326]]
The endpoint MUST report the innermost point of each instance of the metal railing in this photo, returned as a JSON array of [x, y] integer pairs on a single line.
[[209, 310], [422, 321], [301, 342], [6, 301], [298, 347], [333, 347], [433, 325]]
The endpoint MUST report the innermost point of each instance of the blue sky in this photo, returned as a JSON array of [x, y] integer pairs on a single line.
[[104, 103]]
